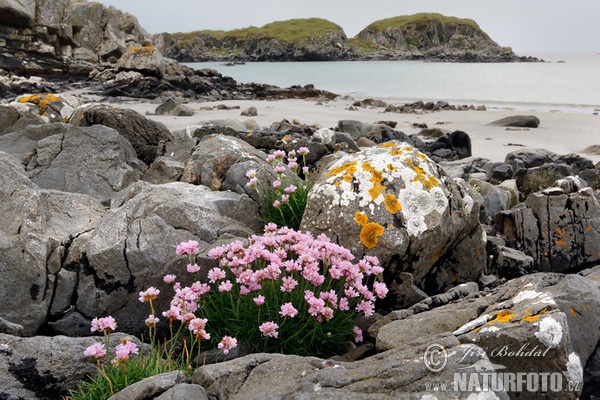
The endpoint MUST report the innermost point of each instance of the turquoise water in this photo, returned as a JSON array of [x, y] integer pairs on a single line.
[[565, 82]]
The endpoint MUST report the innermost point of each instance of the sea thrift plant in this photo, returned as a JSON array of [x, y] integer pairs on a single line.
[[285, 291], [284, 200]]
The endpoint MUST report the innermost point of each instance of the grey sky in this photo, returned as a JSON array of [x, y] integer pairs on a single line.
[[524, 25]]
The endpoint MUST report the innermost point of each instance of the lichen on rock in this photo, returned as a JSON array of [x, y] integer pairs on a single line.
[[393, 202]]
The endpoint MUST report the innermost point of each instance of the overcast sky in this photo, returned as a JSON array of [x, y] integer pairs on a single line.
[[524, 25]]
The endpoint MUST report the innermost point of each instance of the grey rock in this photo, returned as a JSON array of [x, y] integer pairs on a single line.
[[19, 13], [145, 59], [23, 143], [145, 135], [184, 391], [529, 158], [561, 232], [539, 178], [8, 116], [519, 121], [164, 170], [39, 226], [94, 160], [513, 263], [172, 107], [43, 367], [152, 387], [393, 202], [250, 112], [134, 246]]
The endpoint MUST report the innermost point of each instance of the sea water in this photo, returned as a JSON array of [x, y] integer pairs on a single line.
[[567, 82]]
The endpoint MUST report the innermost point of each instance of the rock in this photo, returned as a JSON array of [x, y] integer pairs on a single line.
[[8, 116], [43, 367], [155, 387], [561, 232], [512, 263], [145, 59], [23, 143], [171, 107], [134, 246], [393, 202], [53, 108], [184, 391], [144, 134], [95, 161], [518, 121], [529, 158], [456, 145], [164, 170], [250, 112], [19, 13], [221, 162], [499, 172], [493, 199], [39, 231], [539, 178]]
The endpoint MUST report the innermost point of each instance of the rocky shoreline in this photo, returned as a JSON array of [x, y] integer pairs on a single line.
[[491, 262], [97, 196]]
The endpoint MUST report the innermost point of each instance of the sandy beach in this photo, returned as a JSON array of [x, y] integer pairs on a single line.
[[558, 132]]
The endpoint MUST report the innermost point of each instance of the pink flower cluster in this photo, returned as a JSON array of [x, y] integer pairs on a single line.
[[290, 256], [105, 325]]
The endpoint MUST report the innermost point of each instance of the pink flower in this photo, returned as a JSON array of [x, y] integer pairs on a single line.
[[259, 300], [215, 274], [244, 290], [170, 278], [150, 294], [124, 350], [280, 169], [276, 203], [381, 289], [227, 343], [358, 334], [197, 326], [305, 170], [252, 182], [269, 329], [285, 198], [292, 164], [193, 268], [291, 154], [303, 151], [276, 184], [290, 189], [97, 351], [289, 283], [344, 306], [151, 321], [288, 310], [106, 324], [366, 307], [225, 286], [251, 173], [189, 247]]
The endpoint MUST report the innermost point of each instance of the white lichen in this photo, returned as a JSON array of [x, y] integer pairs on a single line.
[[550, 332]]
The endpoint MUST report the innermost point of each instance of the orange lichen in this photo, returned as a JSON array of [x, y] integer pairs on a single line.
[[376, 179], [397, 152], [348, 170], [391, 203], [530, 317], [370, 233], [143, 49], [573, 311], [427, 180], [387, 145], [503, 316], [361, 218], [41, 99]]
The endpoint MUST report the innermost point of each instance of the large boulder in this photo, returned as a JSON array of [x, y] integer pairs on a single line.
[[39, 230], [147, 60], [19, 13], [519, 121], [561, 231], [43, 367], [393, 202], [96, 161], [146, 136], [134, 246]]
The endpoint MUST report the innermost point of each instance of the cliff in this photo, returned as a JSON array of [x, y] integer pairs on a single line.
[[64, 36], [312, 39], [423, 36]]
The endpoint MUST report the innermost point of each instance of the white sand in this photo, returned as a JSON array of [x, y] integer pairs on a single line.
[[559, 132]]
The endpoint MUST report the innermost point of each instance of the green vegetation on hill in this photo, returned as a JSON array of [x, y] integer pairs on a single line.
[[290, 31], [420, 18]]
